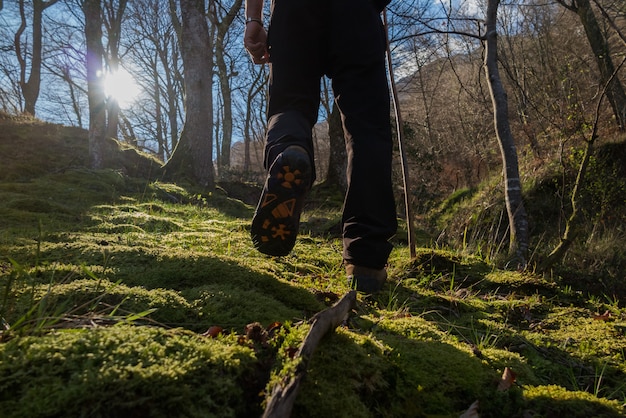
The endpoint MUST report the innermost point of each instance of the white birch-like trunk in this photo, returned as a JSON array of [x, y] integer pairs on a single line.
[[518, 221]]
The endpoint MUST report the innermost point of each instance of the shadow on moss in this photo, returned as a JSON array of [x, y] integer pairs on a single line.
[[124, 371]]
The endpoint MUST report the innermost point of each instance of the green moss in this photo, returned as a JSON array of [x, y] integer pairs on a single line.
[[232, 308], [555, 401], [520, 282], [347, 377], [123, 371], [82, 250], [437, 373], [455, 198]]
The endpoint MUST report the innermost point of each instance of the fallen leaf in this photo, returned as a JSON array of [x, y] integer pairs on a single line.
[[604, 317], [213, 331], [507, 380], [472, 412], [273, 328]]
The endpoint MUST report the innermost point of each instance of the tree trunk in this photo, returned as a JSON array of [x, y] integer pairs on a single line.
[[95, 89], [573, 225], [572, 228], [602, 53], [600, 46], [227, 111], [338, 160], [224, 76], [113, 24], [192, 158], [31, 87], [67, 77], [160, 132], [174, 80], [113, 118], [518, 222], [255, 88], [168, 54], [175, 85]]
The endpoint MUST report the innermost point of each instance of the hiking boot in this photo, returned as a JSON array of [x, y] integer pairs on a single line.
[[277, 217], [365, 279]]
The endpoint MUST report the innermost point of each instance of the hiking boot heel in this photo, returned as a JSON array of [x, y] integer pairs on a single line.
[[277, 217]]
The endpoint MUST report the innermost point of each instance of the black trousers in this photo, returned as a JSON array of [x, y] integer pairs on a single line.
[[343, 39]]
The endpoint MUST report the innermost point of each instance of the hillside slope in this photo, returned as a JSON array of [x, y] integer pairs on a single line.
[[109, 283]]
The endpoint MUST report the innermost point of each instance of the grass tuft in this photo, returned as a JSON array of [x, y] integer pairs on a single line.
[[109, 281]]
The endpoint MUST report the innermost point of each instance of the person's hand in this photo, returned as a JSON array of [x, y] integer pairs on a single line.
[[255, 42]]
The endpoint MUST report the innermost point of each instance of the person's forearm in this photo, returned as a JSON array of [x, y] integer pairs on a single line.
[[254, 9]]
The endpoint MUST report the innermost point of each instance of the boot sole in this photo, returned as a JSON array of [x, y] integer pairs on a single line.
[[277, 217]]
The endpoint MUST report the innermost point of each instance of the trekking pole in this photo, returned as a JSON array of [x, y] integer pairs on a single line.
[[400, 133]]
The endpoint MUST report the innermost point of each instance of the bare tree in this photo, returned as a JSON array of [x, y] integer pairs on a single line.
[[112, 19], [192, 158], [249, 133], [11, 100], [222, 20], [518, 222], [98, 149], [338, 158], [545, 71], [153, 50], [458, 132], [601, 50], [63, 97], [573, 223], [443, 99], [31, 87]]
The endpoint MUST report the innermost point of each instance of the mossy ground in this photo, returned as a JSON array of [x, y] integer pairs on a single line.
[[108, 282]]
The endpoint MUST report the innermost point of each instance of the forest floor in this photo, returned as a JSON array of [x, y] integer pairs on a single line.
[[121, 296]]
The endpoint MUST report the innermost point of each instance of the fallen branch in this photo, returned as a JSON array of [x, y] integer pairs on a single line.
[[283, 395]]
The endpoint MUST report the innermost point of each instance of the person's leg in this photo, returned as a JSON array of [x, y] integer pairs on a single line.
[[357, 67], [296, 46], [296, 61]]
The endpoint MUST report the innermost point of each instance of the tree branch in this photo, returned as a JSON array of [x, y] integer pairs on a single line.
[[280, 402]]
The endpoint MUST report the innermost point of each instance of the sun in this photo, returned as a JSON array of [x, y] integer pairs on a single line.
[[121, 86]]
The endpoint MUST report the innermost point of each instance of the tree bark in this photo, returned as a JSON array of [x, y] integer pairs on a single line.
[[255, 88], [31, 87], [602, 53], [224, 76], [572, 228], [158, 116], [600, 46], [173, 79], [573, 225], [518, 222], [66, 76], [338, 160], [113, 24], [192, 159], [95, 89]]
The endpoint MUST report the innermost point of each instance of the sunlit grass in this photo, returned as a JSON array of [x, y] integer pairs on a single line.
[[108, 282]]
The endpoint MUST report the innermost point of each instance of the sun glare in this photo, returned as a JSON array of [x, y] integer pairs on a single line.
[[121, 86]]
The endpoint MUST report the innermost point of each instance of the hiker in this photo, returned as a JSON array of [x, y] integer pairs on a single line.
[[345, 40]]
